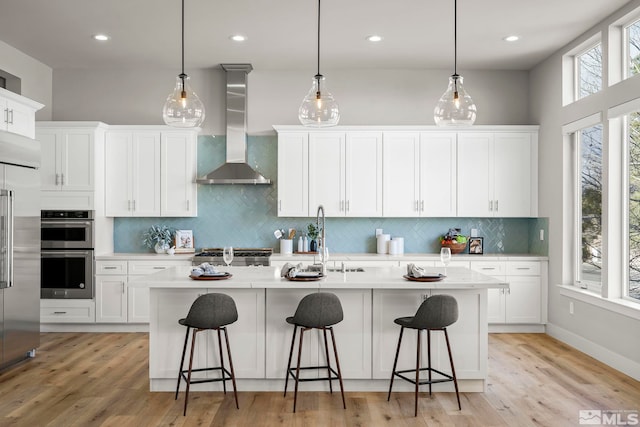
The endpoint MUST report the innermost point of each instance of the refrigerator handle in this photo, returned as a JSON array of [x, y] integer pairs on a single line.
[[7, 201]]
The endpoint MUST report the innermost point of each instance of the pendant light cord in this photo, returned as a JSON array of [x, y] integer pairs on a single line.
[[318, 73], [182, 74], [455, 37]]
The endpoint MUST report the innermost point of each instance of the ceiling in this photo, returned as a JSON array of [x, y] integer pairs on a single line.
[[282, 33]]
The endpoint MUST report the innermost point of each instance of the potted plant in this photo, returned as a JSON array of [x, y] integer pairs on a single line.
[[158, 237], [313, 231]]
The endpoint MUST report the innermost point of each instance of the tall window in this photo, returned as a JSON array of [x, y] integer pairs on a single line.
[[633, 154], [589, 71], [632, 38], [590, 206]]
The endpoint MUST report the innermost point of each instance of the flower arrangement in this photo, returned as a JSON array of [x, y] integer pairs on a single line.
[[158, 236], [313, 231]]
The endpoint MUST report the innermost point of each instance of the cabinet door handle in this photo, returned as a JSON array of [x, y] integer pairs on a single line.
[[488, 268], [347, 206], [134, 205], [128, 205], [280, 205], [59, 312], [490, 205], [422, 205], [159, 268], [11, 117], [110, 268], [416, 206], [188, 206], [341, 205], [61, 179], [496, 205], [6, 115], [123, 287], [523, 268], [57, 179]]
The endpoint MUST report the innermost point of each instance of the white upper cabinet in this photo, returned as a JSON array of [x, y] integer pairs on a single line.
[[71, 169], [497, 174], [150, 171], [345, 173], [179, 192], [132, 173], [419, 170], [293, 174], [18, 113]]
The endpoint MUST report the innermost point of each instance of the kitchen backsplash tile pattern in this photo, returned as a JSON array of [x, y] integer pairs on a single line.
[[245, 216]]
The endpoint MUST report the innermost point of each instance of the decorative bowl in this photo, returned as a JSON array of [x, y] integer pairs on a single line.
[[456, 248]]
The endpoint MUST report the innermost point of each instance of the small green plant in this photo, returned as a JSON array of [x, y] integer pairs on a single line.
[[313, 231], [157, 234]]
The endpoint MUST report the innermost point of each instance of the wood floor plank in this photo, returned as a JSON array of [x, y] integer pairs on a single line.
[[102, 380]]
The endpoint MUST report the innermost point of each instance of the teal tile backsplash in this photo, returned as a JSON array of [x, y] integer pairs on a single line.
[[245, 216]]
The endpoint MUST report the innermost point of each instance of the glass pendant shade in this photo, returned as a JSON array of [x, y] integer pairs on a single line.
[[455, 107], [318, 108], [183, 108]]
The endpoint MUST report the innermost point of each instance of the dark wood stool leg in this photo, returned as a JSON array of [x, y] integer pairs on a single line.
[[326, 352], [453, 371], [335, 352], [233, 373], [429, 357], [286, 375], [184, 351], [395, 363], [193, 345], [295, 393], [224, 383], [417, 372]]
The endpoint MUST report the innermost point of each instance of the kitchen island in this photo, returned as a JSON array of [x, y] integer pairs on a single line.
[[366, 338]]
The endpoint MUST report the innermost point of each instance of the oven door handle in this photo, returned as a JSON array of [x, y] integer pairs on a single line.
[[65, 223], [58, 254]]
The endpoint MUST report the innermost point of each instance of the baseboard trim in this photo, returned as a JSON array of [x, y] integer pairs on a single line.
[[623, 364], [516, 329], [94, 327]]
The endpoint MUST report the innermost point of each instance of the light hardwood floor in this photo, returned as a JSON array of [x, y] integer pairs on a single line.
[[102, 380]]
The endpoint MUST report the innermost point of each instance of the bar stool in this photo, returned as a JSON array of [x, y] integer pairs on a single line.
[[319, 310], [209, 311], [434, 314]]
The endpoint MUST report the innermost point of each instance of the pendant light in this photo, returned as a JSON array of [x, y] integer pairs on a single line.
[[183, 108], [455, 107], [318, 108]]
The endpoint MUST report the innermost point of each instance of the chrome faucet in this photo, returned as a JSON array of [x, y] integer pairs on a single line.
[[322, 244]]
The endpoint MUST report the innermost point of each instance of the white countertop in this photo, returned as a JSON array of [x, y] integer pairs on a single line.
[[269, 277]]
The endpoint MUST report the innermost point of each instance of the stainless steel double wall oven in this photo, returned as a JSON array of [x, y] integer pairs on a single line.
[[67, 261]]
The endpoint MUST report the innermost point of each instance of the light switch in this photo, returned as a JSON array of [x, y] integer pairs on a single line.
[[474, 232]]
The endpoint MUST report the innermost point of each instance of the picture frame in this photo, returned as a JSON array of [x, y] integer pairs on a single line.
[[184, 241], [476, 245]]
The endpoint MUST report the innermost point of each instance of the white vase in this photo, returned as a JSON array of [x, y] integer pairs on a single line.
[[161, 247]]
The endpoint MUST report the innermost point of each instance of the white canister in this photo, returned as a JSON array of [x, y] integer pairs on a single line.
[[400, 245], [286, 246], [394, 247], [382, 240]]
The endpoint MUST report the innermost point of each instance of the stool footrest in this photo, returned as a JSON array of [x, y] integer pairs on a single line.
[[446, 378], [226, 375], [335, 376]]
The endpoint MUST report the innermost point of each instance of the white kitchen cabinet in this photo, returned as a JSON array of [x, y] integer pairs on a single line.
[[246, 335], [293, 174], [345, 173], [419, 174], [67, 311], [522, 302], [353, 334], [18, 113], [497, 174], [111, 299], [132, 173], [464, 334], [178, 189]]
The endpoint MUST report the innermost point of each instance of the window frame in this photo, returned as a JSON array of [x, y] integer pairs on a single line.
[[576, 69]]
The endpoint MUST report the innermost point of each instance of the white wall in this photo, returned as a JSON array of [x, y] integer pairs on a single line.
[[605, 334], [36, 77], [366, 97]]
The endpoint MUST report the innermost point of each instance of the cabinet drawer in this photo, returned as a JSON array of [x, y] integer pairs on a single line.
[[490, 268], [523, 268], [65, 311], [111, 268], [149, 267]]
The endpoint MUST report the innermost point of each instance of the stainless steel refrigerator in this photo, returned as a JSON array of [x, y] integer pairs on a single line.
[[19, 248]]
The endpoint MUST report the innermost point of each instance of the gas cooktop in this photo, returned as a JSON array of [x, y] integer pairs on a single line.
[[241, 256]]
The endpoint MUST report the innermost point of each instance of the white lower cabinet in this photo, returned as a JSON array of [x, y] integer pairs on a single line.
[[111, 299], [246, 335], [67, 311], [522, 302], [465, 335], [353, 334]]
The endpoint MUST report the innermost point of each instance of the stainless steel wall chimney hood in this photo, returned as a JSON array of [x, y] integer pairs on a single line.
[[235, 170]]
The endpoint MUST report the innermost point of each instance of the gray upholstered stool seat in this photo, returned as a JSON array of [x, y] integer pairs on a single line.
[[208, 312], [434, 314], [320, 310]]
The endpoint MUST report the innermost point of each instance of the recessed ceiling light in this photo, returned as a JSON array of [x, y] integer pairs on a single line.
[[101, 37], [238, 38], [511, 38], [374, 38]]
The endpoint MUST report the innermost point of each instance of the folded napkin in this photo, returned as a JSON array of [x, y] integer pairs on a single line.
[[415, 271], [289, 270], [204, 269]]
